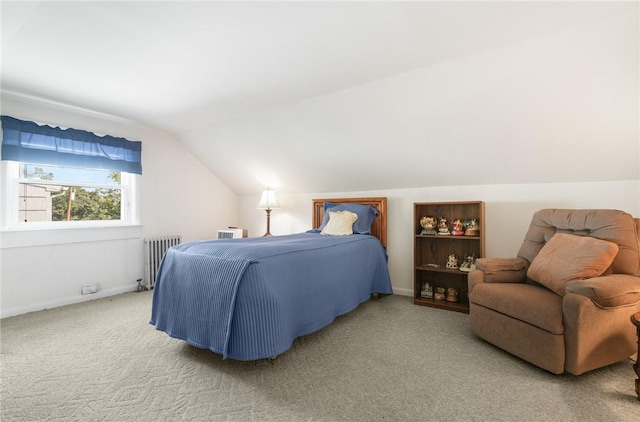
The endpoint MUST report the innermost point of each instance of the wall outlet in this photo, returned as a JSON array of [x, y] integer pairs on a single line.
[[89, 289]]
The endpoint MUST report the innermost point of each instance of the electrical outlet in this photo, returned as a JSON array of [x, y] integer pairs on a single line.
[[89, 289]]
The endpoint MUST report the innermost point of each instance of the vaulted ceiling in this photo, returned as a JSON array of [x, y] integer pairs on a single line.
[[344, 96]]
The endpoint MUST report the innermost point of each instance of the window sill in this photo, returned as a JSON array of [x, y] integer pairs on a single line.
[[38, 236]]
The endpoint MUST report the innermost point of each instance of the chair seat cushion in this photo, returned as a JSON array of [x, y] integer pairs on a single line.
[[534, 305]]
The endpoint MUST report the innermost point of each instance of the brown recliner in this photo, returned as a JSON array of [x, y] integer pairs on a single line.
[[587, 328]]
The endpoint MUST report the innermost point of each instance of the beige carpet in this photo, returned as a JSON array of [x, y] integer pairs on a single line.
[[387, 361]]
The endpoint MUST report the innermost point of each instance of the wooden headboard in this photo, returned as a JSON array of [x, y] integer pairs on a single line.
[[379, 226]]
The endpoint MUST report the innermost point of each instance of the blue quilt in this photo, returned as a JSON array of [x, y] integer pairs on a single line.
[[251, 298]]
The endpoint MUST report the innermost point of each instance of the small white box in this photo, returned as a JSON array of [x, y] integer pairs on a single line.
[[232, 233]]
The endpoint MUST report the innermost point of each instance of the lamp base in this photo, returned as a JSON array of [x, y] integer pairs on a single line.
[[268, 233]]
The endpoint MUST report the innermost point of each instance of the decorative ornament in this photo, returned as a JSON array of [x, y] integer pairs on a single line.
[[457, 228], [452, 294], [469, 262], [428, 224], [443, 227], [472, 227], [452, 262], [427, 290]]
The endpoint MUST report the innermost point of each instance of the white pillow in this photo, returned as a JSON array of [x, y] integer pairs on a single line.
[[340, 223]]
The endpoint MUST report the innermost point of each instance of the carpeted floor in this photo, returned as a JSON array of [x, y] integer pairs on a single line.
[[387, 361]]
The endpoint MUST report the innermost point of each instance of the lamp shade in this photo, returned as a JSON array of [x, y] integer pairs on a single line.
[[268, 200]]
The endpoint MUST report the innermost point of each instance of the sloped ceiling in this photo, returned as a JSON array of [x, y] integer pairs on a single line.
[[350, 96]]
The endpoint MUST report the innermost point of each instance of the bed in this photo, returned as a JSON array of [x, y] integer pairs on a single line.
[[249, 299]]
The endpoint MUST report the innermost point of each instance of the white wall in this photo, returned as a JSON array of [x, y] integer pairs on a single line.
[[508, 213], [549, 122], [177, 196]]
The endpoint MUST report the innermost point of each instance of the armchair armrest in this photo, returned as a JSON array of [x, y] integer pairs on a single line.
[[610, 291], [498, 270], [503, 270]]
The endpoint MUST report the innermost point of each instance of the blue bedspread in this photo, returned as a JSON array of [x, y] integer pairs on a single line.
[[250, 298]]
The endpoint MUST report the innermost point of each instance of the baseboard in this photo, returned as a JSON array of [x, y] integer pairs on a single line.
[[402, 292], [68, 301], [109, 292]]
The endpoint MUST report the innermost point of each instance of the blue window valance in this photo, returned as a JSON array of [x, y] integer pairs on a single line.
[[29, 142]]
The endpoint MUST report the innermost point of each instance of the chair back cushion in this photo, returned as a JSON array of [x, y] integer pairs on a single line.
[[614, 226]]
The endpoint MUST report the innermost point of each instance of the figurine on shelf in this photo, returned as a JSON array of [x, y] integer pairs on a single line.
[[427, 290], [428, 224], [443, 226], [439, 294], [457, 228], [469, 262], [472, 227], [452, 294], [452, 262]]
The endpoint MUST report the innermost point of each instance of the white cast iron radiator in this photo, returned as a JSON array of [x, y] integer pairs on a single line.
[[154, 249]]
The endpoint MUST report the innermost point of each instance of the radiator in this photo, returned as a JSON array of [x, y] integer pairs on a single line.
[[154, 249]]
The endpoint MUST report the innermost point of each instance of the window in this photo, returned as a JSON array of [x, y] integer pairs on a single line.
[[54, 177]]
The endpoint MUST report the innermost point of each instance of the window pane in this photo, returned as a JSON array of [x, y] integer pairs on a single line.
[[46, 202], [69, 174]]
